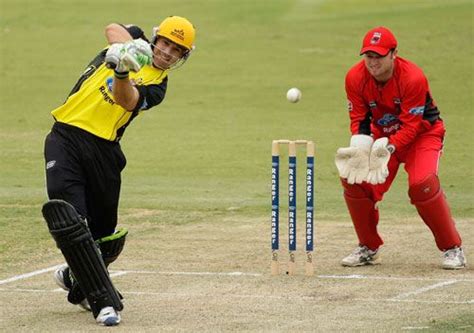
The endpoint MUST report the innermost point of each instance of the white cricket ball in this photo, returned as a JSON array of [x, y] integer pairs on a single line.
[[293, 95]]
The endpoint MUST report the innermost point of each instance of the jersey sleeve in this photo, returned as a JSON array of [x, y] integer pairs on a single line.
[[359, 113], [135, 31], [413, 102], [151, 95]]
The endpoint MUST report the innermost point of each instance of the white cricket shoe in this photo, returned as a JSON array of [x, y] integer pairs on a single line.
[[454, 258], [59, 278], [361, 256], [108, 317], [63, 279]]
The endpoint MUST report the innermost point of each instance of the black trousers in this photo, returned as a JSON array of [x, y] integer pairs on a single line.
[[84, 170]]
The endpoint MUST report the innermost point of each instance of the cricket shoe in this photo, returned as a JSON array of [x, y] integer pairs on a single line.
[[361, 256], [108, 317], [63, 278], [454, 259]]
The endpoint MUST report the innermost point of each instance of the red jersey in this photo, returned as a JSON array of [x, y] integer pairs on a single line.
[[400, 109]]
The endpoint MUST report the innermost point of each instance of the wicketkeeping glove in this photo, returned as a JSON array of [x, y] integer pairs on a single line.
[[353, 162], [378, 161]]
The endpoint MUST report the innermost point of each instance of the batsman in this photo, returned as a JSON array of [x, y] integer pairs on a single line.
[[393, 120], [84, 159]]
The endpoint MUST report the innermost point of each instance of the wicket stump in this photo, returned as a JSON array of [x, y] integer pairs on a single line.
[[275, 192]]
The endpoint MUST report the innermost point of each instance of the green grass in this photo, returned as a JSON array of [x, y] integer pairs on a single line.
[[206, 149], [463, 323]]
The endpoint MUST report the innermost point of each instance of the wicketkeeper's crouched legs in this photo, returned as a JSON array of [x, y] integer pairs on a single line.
[[364, 214], [431, 204], [82, 255]]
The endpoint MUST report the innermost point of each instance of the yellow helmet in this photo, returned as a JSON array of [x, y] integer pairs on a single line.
[[177, 29]]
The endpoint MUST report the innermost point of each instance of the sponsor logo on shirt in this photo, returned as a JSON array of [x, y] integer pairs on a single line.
[[393, 128], [109, 82], [417, 111], [107, 98], [389, 122], [50, 164], [349, 105], [387, 119]]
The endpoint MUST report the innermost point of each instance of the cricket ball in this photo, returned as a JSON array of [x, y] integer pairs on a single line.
[[293, 95]]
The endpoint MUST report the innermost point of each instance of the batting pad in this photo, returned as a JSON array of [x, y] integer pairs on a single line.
[[75, 241]]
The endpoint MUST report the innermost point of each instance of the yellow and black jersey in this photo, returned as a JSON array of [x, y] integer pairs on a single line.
[[91, 106]]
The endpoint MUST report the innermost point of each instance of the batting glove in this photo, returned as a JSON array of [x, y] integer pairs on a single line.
[[378, 162], [353, 162], [113, 55], [137, 53]]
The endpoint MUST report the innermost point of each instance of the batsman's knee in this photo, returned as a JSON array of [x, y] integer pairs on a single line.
[[425, 189], [64, 223]]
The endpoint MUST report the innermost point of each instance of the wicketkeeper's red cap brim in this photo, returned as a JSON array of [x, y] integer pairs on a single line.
[[383, 51]]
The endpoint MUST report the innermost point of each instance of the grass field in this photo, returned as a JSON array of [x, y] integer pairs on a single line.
[[196, 190]]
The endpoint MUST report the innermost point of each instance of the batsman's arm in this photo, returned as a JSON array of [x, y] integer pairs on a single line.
[[125, 94], [118, 33], [148, 95]]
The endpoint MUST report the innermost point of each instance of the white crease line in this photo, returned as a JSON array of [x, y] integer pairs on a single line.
[[46, 270], [123, 272], [353, 276], [172, 296], [193, 273], [424, 289], [392, 300], [118, 273], [375, 277], [24, 290], [188, 295], [27, 275], [415, 328]]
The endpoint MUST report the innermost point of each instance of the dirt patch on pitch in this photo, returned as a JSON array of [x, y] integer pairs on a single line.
[[214, 276]]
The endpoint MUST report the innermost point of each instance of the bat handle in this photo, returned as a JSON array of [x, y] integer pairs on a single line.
[[110, 65], [112, 61]]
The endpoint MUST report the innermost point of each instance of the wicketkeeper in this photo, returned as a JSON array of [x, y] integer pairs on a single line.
[[393, 120], [84, 159]]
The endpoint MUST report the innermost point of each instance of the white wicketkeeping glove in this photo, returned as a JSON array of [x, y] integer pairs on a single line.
[[353, 162], [379, 157]]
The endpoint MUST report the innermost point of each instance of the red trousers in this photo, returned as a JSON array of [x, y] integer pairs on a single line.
[[421, 160]]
